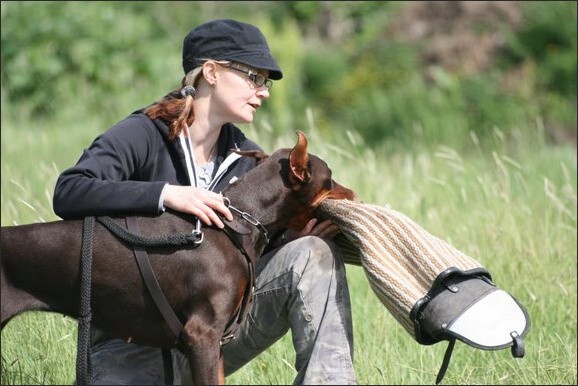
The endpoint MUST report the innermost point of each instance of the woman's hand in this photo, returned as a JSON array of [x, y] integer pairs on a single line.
[[199, 202], [321, 228]]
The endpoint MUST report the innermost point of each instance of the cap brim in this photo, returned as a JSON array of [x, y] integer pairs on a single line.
[[260, 60]]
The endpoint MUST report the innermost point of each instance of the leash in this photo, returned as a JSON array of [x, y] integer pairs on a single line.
[[250, 219], [175, 239], [83, 365]]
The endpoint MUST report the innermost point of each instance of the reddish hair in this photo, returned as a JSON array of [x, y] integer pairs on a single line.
[[175, 110]]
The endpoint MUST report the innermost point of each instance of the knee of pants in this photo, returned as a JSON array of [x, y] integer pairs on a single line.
[[316, 257]]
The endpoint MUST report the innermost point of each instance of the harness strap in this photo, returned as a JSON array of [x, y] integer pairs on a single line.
[[151, 282], [158, 296], [248, 251]]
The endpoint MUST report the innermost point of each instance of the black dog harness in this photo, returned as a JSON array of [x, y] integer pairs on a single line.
[[234, 230]]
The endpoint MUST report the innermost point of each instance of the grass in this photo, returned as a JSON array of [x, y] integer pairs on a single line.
[[510, 204]]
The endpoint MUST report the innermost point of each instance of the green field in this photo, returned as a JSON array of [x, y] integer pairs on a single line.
[[469, 129], [511, 207]]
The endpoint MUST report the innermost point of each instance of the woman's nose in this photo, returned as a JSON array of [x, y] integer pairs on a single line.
[[263, 92]]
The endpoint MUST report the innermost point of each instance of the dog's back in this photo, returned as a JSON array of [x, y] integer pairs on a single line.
[[39, 266]]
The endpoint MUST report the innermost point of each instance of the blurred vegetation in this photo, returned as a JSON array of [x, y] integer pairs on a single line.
[[352, 64], [460, 114]]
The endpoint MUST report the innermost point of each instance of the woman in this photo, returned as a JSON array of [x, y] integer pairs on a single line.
[[176, 154]]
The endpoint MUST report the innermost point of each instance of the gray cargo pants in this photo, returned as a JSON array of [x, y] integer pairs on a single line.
[[301, 286]]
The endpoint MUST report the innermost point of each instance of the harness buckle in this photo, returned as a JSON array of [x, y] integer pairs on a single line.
[[226, 339], [198, 233]]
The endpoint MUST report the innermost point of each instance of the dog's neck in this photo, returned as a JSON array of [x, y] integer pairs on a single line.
[[265, 196]]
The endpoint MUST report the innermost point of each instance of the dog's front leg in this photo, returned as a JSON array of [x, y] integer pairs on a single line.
[[221, 369], [202, 348]]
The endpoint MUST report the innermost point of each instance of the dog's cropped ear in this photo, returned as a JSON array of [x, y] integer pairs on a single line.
[[258, 155], [299, 159]]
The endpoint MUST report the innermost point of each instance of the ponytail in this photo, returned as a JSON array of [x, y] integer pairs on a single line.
[[176, 108]]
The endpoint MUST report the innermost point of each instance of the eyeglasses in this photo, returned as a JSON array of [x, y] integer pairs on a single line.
[[258, 79]]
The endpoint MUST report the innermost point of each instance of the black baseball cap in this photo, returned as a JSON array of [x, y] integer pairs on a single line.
[[226, 39]]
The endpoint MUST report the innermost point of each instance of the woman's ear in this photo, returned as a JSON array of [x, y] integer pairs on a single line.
[[210, 72]]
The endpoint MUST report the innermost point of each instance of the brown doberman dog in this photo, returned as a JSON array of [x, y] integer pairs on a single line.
[[205, 284]]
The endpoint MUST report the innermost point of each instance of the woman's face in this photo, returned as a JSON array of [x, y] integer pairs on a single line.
[[236, 95]]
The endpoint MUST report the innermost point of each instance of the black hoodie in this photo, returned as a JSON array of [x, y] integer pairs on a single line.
[[125, 169]]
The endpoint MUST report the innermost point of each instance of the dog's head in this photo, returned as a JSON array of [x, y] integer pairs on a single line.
[[308, 176], [303, 166]]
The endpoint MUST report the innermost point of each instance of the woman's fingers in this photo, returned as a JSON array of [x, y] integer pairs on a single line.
[[326, 229], [199, 202], [320, 228], [308, 228]]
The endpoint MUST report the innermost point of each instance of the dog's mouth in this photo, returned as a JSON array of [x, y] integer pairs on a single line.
[[337, 192]]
